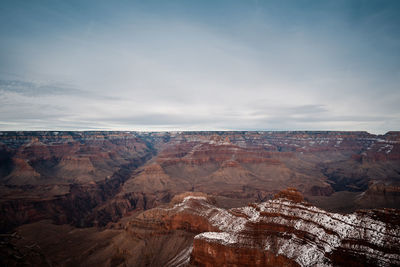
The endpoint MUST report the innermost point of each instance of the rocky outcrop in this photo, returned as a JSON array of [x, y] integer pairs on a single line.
[[288, 232], [188, 211], [285, 231], [291, 194], [379, 195]]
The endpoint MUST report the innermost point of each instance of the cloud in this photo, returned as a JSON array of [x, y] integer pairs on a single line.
[[44, 89], [204, 65], [36, 89]]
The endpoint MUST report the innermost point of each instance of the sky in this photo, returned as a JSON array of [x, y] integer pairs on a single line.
[[200, 65]]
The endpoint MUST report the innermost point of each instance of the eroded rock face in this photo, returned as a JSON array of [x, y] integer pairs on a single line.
[[283, 232], [64, 176], [192, 231]]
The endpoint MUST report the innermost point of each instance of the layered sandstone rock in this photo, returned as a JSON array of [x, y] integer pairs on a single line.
[[192, 231], [286, 232]]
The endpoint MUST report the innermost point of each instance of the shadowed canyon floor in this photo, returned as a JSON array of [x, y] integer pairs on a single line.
[[111, 198]]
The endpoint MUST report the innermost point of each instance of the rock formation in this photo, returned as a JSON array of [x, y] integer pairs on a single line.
[[286, 232], [192, 231], [100, 177]]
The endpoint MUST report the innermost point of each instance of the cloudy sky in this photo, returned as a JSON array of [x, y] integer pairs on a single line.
[[200, 65]]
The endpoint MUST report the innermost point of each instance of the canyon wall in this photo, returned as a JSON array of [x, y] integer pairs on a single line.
[[93, 178]]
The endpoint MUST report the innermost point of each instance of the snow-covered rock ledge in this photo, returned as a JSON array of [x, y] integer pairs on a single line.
[[304, 235]]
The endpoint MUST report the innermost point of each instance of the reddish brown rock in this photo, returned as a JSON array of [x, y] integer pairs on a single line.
[[291, 194], [209, 254], [104, 175], [288, 232], [191, 230]]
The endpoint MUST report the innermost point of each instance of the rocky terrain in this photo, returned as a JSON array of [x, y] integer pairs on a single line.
[[102, 185], [192, 231], [286, 232]]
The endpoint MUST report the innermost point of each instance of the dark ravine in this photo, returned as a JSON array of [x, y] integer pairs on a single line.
[[77, 207], [76, 202]]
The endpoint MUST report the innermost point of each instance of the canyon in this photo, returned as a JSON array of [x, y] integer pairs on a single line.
[[182, 198]]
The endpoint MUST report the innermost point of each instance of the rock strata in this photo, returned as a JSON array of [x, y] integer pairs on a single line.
[[192, 231], [94, 177], [286, 232]]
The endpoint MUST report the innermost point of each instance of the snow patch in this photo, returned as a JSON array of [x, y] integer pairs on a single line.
[[223, 237]]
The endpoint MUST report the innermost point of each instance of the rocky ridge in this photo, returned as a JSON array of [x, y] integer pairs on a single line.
[[298, 234], [285, 231]]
